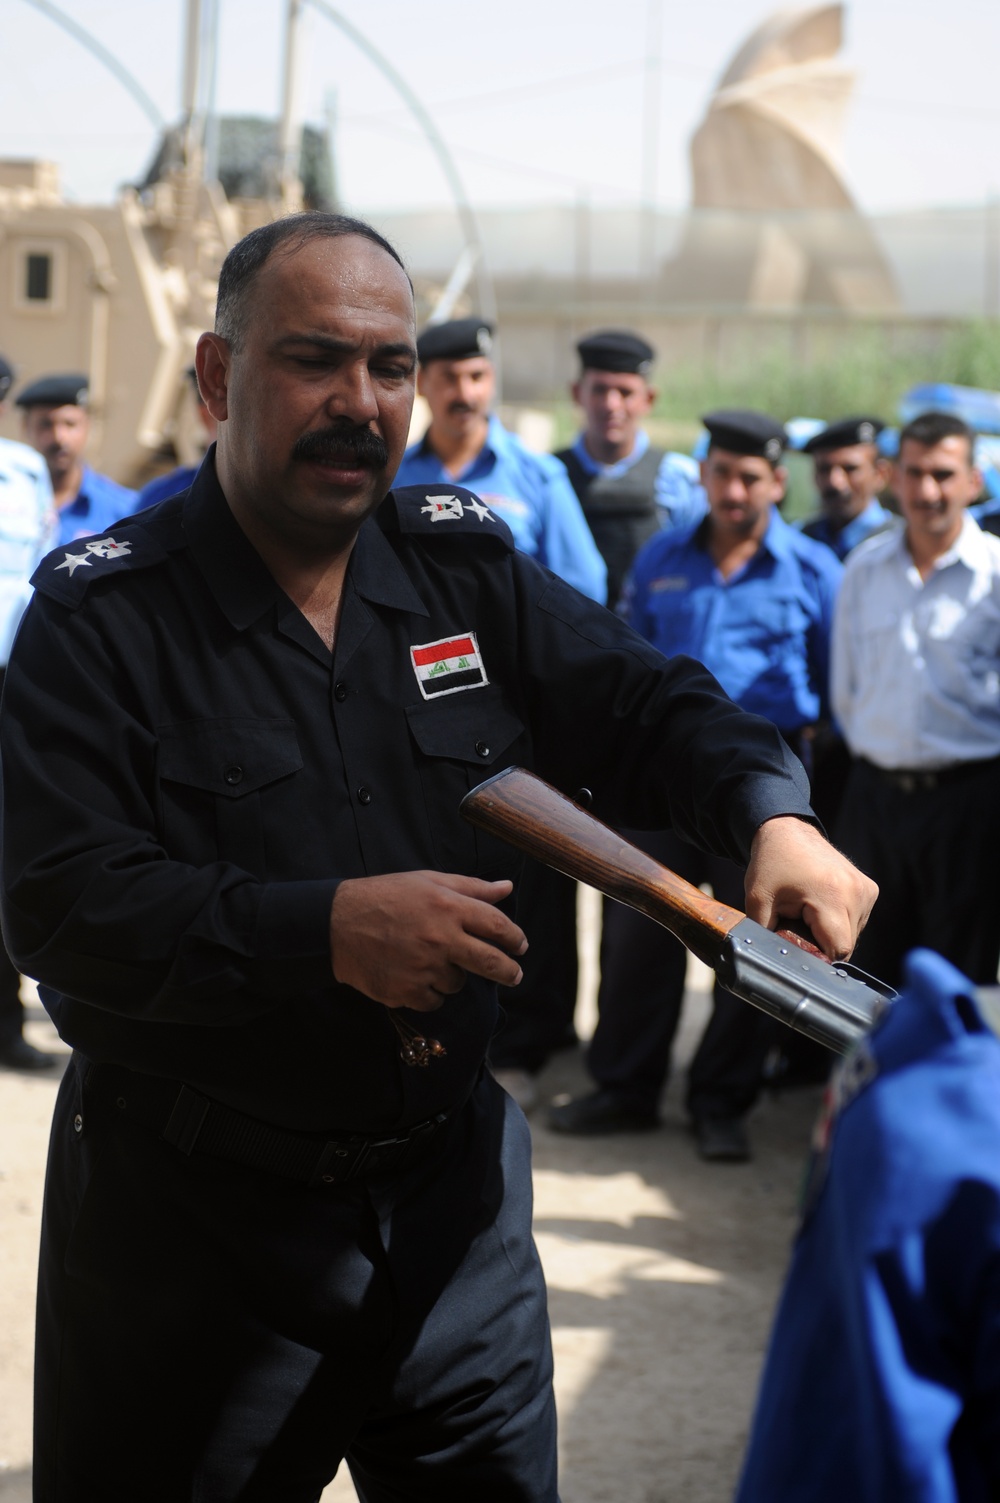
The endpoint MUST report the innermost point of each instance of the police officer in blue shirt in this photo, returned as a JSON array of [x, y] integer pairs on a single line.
[[850, 475], [468, 444], [56, 422], [753, 599]]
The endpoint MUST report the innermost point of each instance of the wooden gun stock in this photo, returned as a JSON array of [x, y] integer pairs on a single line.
[[779, 973]]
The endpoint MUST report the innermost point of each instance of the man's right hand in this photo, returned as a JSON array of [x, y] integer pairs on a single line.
[[408, 939]]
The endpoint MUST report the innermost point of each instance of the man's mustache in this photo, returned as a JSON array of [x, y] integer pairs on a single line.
[[335, 444]]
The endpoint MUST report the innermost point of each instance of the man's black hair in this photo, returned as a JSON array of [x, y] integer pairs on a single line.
[[249, 255], [930, 428]]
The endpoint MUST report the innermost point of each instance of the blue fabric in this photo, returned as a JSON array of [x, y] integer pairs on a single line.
[[764, 632], [874, 518], [532, 493], [679, 495], [99, 504], [883, 1376], [165, 486]]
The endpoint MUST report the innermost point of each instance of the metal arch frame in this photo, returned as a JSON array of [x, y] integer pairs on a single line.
[[467, 219], [98, 49]]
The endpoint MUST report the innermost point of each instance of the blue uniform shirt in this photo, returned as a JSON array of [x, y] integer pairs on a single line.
[[679, 493], [165, 486], [764, 632], [533, 494], [873, 519], [98, 504], [883, 1377]]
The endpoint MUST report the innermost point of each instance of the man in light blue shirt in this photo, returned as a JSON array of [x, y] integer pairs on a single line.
[[916, 692], [56, 422], [27, 531], [752, 599], [467, 444]]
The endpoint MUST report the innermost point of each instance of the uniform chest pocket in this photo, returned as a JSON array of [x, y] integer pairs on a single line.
[[215, 776], [462, 740]]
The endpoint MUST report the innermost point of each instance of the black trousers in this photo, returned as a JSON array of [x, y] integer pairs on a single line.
[[642, 989], [209, 1333], [934, 850], [537, 1016]]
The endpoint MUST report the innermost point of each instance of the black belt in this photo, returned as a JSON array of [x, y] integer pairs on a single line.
[[194, 1123], [922, 779]]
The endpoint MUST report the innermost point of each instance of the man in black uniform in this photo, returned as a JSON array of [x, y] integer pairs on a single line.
[[282, 1223]]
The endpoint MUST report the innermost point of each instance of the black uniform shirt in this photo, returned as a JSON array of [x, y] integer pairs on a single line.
[[187, 774]]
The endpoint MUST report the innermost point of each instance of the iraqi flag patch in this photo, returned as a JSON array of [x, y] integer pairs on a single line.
[[448, 666]]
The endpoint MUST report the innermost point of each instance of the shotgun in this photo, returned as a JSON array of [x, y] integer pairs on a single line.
[[780, 972]]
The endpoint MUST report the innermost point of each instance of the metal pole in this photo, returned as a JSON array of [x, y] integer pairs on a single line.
[[650, 139], [289, 142]]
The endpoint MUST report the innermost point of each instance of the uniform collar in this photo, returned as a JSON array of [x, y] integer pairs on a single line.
[[778, 539], [241, 582], [969, 548], [493, 445]]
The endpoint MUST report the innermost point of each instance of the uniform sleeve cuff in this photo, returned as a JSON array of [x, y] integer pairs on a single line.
[[293, 921]]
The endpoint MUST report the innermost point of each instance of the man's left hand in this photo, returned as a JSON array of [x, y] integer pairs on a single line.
[[795, 875]]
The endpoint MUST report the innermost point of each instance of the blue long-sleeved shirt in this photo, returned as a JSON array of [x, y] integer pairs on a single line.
[[532, 493], [764, 632], [98, 505]]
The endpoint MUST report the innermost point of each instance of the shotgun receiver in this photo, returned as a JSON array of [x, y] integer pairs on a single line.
[[777, 972]]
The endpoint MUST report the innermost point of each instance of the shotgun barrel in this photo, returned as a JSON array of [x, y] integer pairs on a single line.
[[777, 972]]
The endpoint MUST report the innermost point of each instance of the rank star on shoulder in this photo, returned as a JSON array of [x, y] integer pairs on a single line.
[[72, 562], [478, 509]]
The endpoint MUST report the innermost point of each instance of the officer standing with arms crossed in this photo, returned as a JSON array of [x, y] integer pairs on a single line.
[[752, 599], [287, 1213]]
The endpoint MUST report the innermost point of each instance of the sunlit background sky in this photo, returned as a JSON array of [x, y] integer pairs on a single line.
[[540, 101]]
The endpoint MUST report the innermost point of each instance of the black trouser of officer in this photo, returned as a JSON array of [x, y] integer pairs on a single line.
[[537, 1015], [642, 989], [932, 843], [208, 1333]]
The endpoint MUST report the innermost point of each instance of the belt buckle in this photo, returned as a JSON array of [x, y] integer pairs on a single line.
[[335, 1151]]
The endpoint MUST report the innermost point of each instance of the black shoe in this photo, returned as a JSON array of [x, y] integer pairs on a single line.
[[600, 1112], [18, 1054], [721, 1140]]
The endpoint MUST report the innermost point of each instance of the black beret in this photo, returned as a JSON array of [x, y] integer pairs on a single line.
[[6, 378], [460, 339], [72, 390], [744, 432], [616, 350], [844, 434]]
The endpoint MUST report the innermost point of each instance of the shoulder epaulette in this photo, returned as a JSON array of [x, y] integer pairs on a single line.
[[447, 509], [67, 573]]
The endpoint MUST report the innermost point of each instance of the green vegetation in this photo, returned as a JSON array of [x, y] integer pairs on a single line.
[[865, 368]]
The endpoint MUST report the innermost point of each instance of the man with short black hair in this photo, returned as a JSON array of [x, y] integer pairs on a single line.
[[850, 476], [288, 1212], [55, 420], [916, 691]]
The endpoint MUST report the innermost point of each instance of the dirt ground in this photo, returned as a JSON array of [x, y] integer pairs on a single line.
[[663, 1274]]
